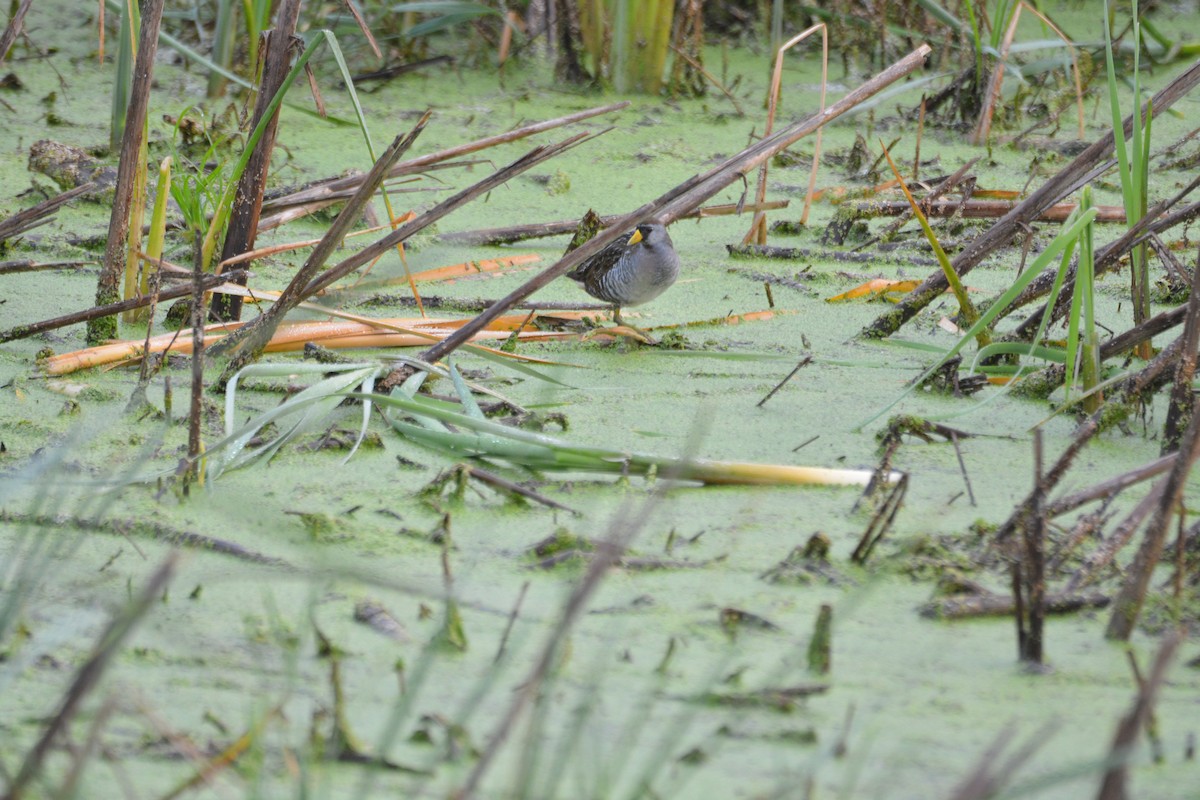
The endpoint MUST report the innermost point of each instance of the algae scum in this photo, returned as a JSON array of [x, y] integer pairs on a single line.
[[357, 629]]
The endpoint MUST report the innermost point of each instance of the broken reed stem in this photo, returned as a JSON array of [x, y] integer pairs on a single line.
[[112, 309], [803, 362], [1113, 786], [525, 162], [1002, 232], [242, 229], [349, 183], [990, 774], [1109, 488], [904, 211], [1004, 605], [881, 522], [1035, 561], [1131, 389], [758, 226], [1103, 555], [978, 209], [13, 29], [1018, 608], [1152, 734], [192, 467], [916, 170], [517, 233], [683, 198], [1128, 604], [820, 647], [40, 213], [1179, 406], [983, 126], [108, 285], [248, 342], [89, 674], [29, 265]]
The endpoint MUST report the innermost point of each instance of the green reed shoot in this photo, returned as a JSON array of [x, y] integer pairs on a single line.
[[1083, 345], [222, 46], [123, 81], [154, 243], [1066, 239], [1133, 167]]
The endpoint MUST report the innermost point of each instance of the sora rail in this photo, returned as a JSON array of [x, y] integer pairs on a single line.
[[631, 270]]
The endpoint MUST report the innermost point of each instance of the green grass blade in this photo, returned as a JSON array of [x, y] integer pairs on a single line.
[[1064, 239], [464, 394]]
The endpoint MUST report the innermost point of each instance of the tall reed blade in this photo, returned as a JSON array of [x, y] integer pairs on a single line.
[[126, 53]]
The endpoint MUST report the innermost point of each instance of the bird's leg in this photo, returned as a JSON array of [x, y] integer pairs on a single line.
[[641, 334]]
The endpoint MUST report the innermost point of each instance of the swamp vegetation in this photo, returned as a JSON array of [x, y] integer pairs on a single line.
[[316, 482]]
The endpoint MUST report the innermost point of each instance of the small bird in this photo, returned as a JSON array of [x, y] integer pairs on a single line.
[[632, 270]]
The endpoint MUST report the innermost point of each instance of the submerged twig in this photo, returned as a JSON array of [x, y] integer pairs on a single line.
[[803, 363]]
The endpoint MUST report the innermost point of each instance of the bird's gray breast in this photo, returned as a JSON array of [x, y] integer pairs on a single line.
[[642, 274]]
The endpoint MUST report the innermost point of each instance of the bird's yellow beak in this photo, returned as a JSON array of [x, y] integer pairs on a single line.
[[637, 237]]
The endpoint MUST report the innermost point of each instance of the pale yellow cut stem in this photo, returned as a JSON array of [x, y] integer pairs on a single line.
[[743, 473], [758, 226]]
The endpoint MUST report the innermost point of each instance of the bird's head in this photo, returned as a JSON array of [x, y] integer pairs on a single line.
[[650, 235]]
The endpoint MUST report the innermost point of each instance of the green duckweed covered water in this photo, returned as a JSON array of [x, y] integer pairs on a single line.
[[911, 703]]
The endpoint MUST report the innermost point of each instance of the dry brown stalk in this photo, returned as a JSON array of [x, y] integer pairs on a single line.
[[1003, 605], [108, 285], [758, 226], [708, 76], [247, 343], [1113, 787], [29, 265], [517, 233], [1034, 563], [1128, 604], [1109, 488], [1132, 388], [981, 209], [1049, 193], [322, 189], [684, 198], [1179, 406], [984, 125], [13, 29], [364, 256], [990, 774], [22, 331], [240, 233], [39, 214]]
